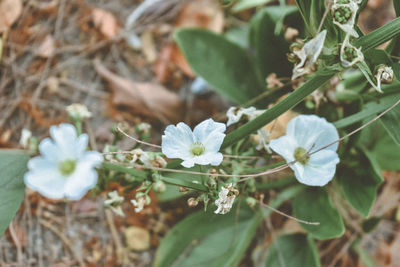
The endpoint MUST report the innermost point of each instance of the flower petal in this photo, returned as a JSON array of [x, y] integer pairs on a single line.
[[311, 131], [49, 150], [203, 130], [176, 141], [284, 146], [48, 183], [64, 137], [81, 181]]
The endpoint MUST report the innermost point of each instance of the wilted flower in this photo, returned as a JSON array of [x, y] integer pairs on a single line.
[[235, 114], [140, 201], [192, 202], [225, 200], [25, 138], [307, 56], [65, 169], [344, 16], [198, 147], [143, 127], [78, 112], [114, 202], [304, 134], [349, 54], [384, 75]]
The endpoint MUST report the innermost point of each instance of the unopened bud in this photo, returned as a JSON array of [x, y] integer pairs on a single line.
[[183, 189], [192, 202], [159, 186], [251, 201]]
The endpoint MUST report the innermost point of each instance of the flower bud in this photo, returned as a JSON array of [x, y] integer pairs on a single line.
[[159, 186], [78, 112], [192, 202], [251, 201]]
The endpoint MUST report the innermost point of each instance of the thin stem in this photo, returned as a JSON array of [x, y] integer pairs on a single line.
[[287, 215], [137, 140]]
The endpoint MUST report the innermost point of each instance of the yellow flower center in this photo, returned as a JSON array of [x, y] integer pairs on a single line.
[[197, 149], [67, 167], [301, 155]]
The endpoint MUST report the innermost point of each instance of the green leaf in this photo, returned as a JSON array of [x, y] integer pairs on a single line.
[[396, 5], [391, 122], [314, 205], [371, 108], [246, 4], [289, 102], [238, 35], [376, 140], [208, 239], [293, 251], [13, 165], [270, 49], [379, 36], [227, 67], [365, 176], [364, 68]]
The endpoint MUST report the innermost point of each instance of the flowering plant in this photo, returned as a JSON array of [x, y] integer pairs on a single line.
[[325, 162]]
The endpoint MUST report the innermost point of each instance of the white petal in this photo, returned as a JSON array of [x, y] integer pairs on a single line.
[[215, 159], [92, 158], [203, 130], [284, 146], [64, 137], [312, 131], [48, 183], [49, 150], [177, 140], [213, 142], [188, 163], [41, 164], [317, 176], [81, 181], [323, 158], [81, 144]]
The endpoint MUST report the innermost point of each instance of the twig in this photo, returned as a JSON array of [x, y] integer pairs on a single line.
[[16, 242], [287, 215], [122, 257], [65, 239]]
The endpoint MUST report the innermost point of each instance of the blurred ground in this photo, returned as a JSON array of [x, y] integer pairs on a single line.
[[58, 52]]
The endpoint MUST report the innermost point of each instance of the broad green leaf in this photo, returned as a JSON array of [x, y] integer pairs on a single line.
[[208, 239], [270, 49], [391, 122], [292, 251], [376, 140], [363, 175], [246, 4], [314, 205], [13, 165], [227, 67], [238, 35]]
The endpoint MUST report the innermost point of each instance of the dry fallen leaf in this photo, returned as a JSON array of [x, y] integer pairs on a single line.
[[147, 99], [105, 22], [10, 10], [137, 238], [47, 48], [148, 46], [277, 128]]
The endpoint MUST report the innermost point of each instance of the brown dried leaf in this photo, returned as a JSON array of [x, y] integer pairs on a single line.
[[147, 99], [105, 22], [10, 10]]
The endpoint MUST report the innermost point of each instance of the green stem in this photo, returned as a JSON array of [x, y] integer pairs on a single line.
[[289, 102], [184, 183], [139, 175], [78, 125]]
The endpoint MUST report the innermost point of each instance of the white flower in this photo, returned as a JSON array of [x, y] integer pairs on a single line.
[[198, 147], [65, 169], [263, 140], [384, 74], [25, 138], [344, 16], [78, 112], [225, 200], [349, 54], [308, 55], [114, 202], [144, 127], [140, 202], [305, 134]]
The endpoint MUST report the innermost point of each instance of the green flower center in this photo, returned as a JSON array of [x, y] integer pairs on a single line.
[[67, 167], [349, 54], [342, 14], [301, 155], [197, 149]]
